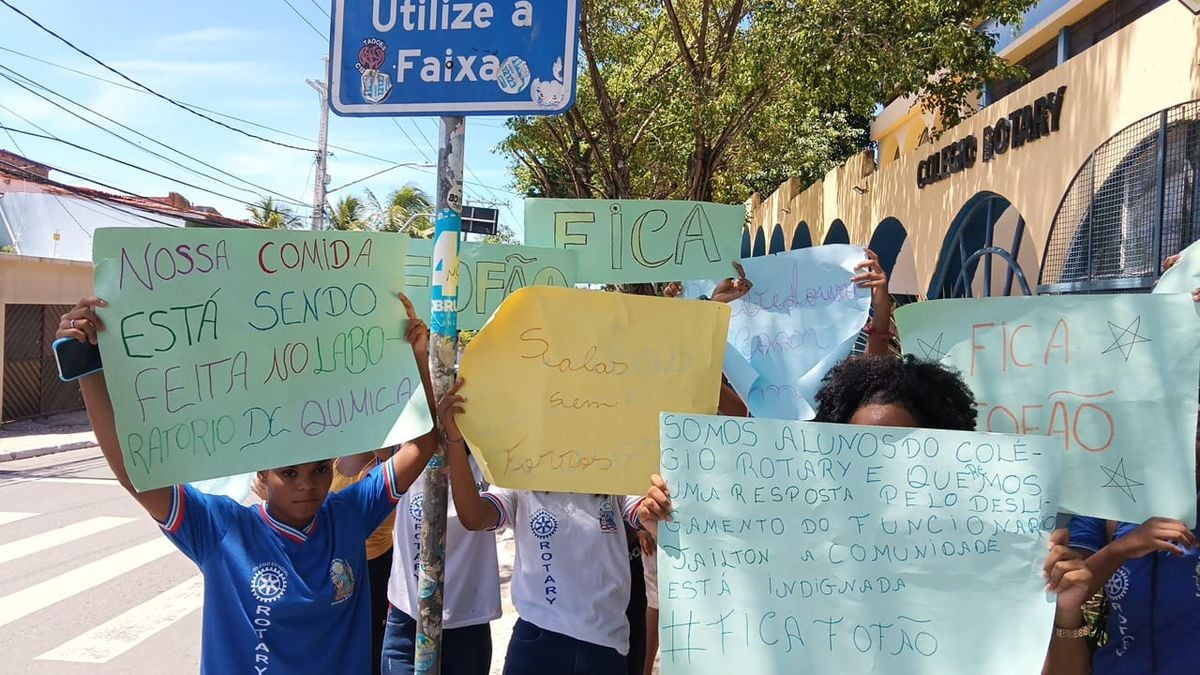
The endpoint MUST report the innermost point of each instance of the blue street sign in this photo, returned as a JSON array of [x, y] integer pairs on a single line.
[[453, 57]]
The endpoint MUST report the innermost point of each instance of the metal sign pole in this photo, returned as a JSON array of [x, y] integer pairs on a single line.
[[443, 353]]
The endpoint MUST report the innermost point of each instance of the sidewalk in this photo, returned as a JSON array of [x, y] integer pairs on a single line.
[[45, 435]]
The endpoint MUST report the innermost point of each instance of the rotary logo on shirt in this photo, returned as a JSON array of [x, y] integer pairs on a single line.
[[268, 582], [608, 516], [342, 578]]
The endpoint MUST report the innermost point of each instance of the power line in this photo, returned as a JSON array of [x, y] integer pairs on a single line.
[[181, 165], [218, 113], [56, 197], [304, 19], [36, 178], [320, 8], [164, 97], [51, 137]]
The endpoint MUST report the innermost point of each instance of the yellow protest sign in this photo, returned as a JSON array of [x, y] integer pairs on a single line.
[[564, 386]]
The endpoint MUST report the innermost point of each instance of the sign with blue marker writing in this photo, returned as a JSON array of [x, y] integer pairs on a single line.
[[799, 320], [487, 274], [228, 351], [628, 241], [452, 57], [820, 548], [1109, 379]]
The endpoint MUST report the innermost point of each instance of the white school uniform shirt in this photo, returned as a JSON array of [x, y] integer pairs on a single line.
[[472, 592], [571, 572]]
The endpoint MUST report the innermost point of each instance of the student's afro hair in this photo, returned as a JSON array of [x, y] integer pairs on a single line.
[[934, 395]]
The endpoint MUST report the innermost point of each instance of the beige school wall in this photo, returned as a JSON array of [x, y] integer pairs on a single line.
[[26, 280], [1147, 66]]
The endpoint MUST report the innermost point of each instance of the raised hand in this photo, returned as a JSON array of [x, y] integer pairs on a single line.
[[448, 410], [417, 333], [657, 504], [1156, 534], [81, 322], [731, 289]]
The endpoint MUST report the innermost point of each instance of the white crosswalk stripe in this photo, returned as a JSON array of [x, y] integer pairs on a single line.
[[124, 632], [7, 517], [52, 591], [40, 542]]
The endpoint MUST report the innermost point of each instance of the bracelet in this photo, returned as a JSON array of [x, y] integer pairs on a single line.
[[887, 335], [704, 297], [1072, 633]]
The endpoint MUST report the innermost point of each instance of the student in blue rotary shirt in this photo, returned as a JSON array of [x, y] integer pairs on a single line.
[[286, 578], [1151, 576]]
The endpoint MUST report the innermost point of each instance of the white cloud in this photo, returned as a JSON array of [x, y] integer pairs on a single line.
[[206, 36]]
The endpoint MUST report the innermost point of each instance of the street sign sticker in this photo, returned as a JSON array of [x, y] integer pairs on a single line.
[[452, 57]]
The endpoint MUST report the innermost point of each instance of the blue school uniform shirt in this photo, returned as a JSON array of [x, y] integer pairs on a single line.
[[1155, 607], [278, 599]]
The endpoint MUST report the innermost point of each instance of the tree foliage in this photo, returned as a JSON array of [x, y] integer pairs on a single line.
[[347, 214], [274, 215], [406, 209], [713, 99]]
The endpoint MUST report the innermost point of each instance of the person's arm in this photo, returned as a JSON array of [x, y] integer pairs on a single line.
[[417, 335], [475, 512], [729, 403], [879, 328], [81, 323], [1156, 534], [1068, 577]]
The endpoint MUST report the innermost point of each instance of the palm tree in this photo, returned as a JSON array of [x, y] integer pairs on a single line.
[[347, 214], [409, 205], [273, 215]]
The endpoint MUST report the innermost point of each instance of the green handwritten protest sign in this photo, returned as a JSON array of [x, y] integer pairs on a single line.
[[622, 241], [227, 351], [1110, 380], [819, 548], [487, 274]]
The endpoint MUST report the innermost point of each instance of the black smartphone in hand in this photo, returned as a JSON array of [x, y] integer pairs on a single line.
[[76, 359]]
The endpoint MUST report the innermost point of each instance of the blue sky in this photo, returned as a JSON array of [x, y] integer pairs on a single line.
[[248, 59]]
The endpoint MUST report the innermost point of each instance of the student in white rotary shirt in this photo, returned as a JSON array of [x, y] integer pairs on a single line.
[[571, 578], [472, 599]]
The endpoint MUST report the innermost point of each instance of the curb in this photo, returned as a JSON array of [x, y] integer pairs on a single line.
[[48, 450]]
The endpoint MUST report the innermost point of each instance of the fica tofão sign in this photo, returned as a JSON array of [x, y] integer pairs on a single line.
[[1021, 126]]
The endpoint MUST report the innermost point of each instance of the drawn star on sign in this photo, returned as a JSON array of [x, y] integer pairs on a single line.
[[1124, 338], [933, 352], [1119, 479]]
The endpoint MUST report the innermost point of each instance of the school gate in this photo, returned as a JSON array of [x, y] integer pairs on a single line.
[[30, 375]]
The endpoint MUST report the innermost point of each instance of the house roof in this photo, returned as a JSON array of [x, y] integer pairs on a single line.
[[14, 167]]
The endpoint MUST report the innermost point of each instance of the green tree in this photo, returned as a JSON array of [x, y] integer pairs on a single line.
[[271, 214], [347, 214], [406, 209], [710, 99]]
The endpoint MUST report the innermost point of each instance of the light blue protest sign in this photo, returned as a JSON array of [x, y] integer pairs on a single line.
[[486, 57], [1184, 277], [487, 274], [1109, 379], [818, 548], [798, 321]]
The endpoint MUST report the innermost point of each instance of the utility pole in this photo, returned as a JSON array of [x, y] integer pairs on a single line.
[[443, 356], [318, 214]]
